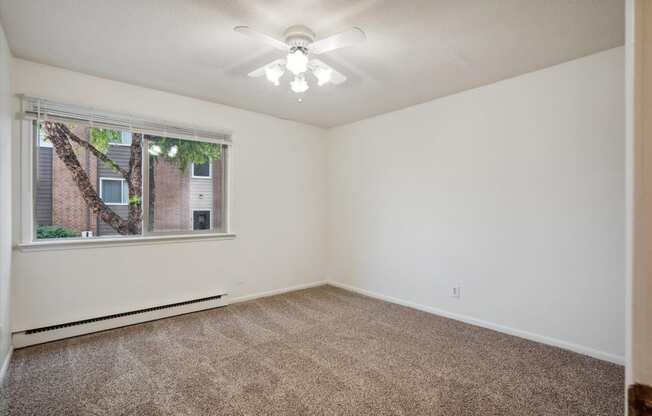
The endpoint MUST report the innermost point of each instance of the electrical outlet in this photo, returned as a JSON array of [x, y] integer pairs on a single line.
[[456, 292]]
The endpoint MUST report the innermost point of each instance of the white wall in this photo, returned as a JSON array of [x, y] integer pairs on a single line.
[[5, 194], [278, 212], [515, 191]]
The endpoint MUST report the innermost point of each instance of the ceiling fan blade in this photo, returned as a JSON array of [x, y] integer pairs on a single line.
[[341, 40], [261, 71], [336, 76], [261, 37]]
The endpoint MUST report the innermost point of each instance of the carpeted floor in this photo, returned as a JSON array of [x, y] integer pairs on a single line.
[[321, 351]]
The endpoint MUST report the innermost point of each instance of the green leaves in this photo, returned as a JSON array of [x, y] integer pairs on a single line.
[[101, 138], [179, 152], [182, 153], [54, 231], [134, 200]]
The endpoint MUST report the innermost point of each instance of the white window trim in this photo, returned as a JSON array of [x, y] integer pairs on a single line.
[[104, 178], [96, 242], [210, 218], [210, 171], [26, 232]]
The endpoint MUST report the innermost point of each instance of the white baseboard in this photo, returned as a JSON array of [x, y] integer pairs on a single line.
[[5, 364], [601, 355], [278, 291]]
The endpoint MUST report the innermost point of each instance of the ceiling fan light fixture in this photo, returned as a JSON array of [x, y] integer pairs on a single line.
[[274, 73], [323, 75], [301, 47], [299, 85], [297, 61]]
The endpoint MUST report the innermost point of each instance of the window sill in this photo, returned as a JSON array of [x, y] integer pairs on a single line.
[[78, 243]]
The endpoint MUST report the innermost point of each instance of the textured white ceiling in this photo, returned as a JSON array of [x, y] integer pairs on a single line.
[[416, 50]]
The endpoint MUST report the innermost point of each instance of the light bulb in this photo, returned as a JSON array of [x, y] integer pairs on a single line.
[[274, 73], [297, 62], [173, 151], [299, 85], [155, 150], [323, 75]]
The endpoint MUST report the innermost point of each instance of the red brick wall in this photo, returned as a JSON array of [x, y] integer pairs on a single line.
[[172, 198], [68, 207]]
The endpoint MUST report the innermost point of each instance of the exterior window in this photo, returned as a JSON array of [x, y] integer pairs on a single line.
[[201, 170], [43, 141], [186, 198], [176, 195], [201, 220], [114, 191], [122, 139]]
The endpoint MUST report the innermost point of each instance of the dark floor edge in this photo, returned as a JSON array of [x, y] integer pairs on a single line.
[[639, 399]]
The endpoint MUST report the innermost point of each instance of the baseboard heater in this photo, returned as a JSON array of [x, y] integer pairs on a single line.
[[102, 323]]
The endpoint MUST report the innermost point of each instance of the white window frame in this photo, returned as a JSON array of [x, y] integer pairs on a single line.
[[210, 219], [26, 233], [122, 188], [210, 171]]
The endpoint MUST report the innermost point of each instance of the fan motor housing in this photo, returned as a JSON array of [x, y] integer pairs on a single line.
[[299, 36]]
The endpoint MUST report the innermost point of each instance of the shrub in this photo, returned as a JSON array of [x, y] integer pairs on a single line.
[[54, 231]]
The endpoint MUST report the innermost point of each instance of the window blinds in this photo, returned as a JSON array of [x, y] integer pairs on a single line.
[[34, 108]]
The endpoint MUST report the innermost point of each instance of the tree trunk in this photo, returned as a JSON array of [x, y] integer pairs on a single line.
[[60, 137], [135, 182], [152, 191]]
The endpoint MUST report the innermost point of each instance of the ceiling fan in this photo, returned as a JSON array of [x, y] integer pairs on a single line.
[[300, 45]]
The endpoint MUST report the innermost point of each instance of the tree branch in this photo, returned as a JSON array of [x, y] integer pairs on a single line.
[[104, 158], [59, 135]]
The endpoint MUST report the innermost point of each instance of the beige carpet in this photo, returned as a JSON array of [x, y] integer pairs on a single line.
[[321, 351]]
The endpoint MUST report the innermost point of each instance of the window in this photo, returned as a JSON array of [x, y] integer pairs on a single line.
[[180, 179], [174, 194], [122, 139], [43, 141], [114, 191], [201, 220], [201, 170]]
